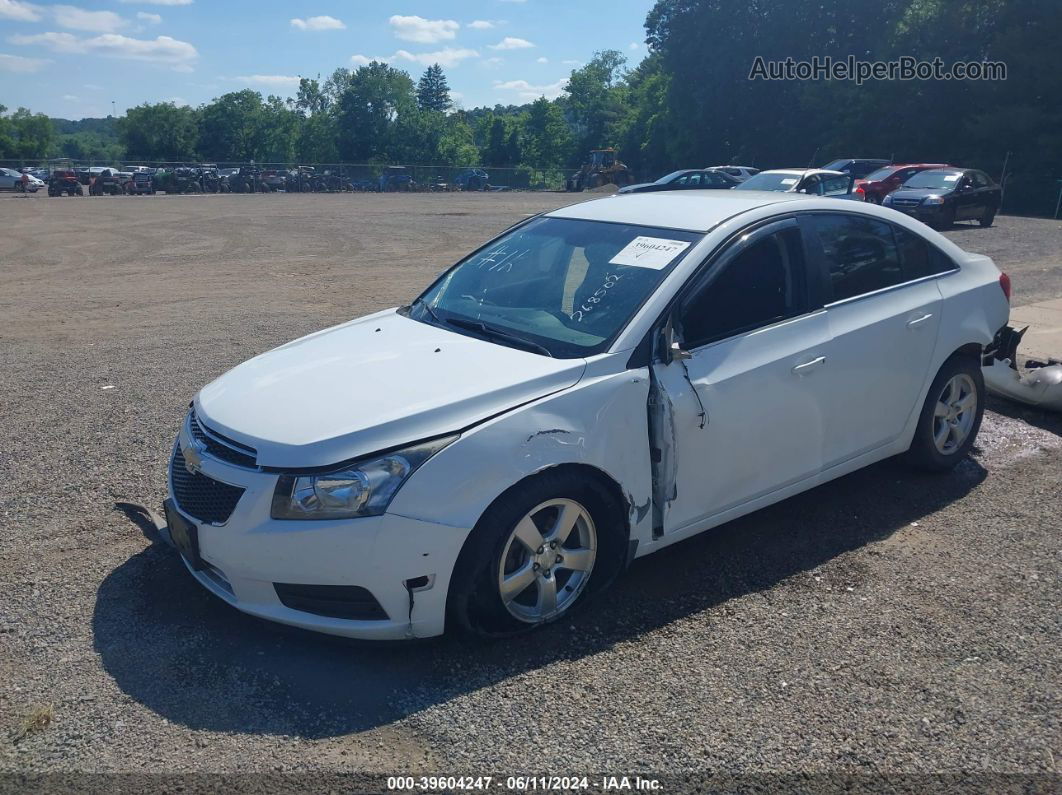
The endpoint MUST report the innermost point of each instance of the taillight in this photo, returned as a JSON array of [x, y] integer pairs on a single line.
[[1004, 283]]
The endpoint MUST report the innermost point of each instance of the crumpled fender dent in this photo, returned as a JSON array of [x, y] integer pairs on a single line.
[[600, 422]]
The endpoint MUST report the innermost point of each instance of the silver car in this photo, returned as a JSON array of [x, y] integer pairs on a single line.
[[12, 180]]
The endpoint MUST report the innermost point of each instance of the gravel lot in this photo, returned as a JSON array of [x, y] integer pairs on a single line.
[[888, 621]]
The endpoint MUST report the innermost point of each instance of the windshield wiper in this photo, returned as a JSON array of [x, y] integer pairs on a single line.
[[427, 308], [498, 334]]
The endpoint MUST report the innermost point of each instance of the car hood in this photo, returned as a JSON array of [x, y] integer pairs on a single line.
[[370, 384], [918, 193], [639, 187]]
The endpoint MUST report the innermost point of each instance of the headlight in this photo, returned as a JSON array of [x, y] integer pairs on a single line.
[[363, 488], [887, 199], [933, 200]]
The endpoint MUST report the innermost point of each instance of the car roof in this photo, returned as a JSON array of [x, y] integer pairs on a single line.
[[690, 210], [796, 172]]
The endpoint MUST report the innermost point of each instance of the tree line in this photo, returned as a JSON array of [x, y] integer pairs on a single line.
[[690, 102]]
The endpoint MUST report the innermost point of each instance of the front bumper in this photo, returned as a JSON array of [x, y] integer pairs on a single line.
[[923, 212], [250, 552]]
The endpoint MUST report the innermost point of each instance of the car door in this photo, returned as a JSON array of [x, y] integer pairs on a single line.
[[882, 326], [743, 416], [967, 200]]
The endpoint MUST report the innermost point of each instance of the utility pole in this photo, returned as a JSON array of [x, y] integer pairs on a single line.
[[114, 109]]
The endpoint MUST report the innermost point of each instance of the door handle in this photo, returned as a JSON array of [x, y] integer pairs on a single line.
[[807, 367], [918, 321]]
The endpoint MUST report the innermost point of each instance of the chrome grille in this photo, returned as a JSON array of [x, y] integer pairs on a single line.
[[221, 447], [199, 496]]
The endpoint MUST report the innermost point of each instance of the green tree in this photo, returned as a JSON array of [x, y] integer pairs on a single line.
[[596, 101], [375, 98], [27, 135], [234, 128], [161, 131], [547, 138], [433, 92]]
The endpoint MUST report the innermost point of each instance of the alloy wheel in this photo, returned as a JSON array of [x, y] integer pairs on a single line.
[[547, 560], [954, 413]]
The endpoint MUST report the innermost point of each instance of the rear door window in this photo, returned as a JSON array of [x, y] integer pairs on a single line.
[[860, 255]]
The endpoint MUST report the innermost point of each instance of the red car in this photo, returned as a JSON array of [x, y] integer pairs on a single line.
[[879, 184]]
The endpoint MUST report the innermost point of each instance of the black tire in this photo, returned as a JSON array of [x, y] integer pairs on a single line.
[[474, 603], [988, 217], [923, 452]]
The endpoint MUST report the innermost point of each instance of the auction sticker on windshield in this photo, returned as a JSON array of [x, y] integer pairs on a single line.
[[649, 252]]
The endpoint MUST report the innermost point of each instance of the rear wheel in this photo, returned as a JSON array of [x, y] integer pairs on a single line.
[[535, 554], [951, 415]]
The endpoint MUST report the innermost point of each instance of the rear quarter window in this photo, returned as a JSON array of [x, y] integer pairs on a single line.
[[918, 258]]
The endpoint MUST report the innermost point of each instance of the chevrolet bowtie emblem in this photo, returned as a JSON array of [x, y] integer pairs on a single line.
[[192, 451]]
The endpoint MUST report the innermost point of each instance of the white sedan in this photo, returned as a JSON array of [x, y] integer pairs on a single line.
[[813, 181], [593, 385]]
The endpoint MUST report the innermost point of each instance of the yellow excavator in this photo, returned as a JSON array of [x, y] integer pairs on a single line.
[[603, 167]]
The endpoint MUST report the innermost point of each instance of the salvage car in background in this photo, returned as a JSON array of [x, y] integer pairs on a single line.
[[856, 167], [813, 181], [879, 184], [595, 384], [685, 179], [10, 179], [942, 196], [740, 173]]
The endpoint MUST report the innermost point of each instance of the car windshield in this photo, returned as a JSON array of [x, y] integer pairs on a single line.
[[943, 180], [767, 181], [556, 286], [881, 173]]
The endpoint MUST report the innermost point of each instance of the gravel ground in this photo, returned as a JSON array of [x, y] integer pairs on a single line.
[[888, 621]]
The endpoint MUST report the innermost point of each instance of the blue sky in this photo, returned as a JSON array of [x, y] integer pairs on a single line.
[[73, 59]]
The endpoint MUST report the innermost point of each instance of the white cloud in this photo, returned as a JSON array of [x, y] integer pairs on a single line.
[[93, 87], [184, 68], [93, 21], [424, 31], [161, 49], [511, 43], [71, 98], [492, 63], [542, 60], [20, 65], [270, 81], [526, 90], [481, 24], [633, 45], [19, 11], [180, 102], [319, 23], [159, 2], [152, 19], [447, 56]]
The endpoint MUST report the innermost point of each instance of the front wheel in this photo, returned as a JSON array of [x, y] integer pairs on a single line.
[[951, 416], [988, 217], [535, 554]]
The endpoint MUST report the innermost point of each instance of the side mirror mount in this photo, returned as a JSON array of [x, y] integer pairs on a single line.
[[673, 350]]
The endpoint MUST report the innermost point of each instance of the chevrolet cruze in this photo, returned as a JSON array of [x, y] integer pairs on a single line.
[[595, 384]]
